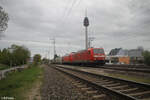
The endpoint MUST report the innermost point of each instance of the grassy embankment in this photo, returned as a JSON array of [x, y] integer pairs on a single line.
[[18, 84], [132, 78], [2, 67]]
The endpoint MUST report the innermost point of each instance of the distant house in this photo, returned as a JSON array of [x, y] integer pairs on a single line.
[[122, 53], [124, 56], [124, 60], [114, 52], [135, 53], [135, 56], [111, 57]]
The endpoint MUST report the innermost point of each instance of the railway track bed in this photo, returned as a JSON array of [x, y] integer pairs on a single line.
[[108, 88], [129, 69], [108, 70]]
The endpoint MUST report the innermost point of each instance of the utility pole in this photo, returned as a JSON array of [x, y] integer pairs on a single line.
[[86, 24], [54, 47], [90, 41], [49, 49]]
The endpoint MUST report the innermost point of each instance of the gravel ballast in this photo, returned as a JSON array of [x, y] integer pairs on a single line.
[[58, 86]]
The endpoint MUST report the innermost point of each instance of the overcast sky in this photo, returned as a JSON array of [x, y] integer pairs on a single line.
[[113, 24]]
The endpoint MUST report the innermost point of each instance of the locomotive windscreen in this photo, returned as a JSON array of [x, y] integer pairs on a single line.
[[98, 51]]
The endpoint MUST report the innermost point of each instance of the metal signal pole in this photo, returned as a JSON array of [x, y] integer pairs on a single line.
[[54, 46], [90, 41], [86, 24]]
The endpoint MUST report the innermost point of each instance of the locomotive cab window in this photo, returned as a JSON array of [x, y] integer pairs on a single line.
[[98, 51]]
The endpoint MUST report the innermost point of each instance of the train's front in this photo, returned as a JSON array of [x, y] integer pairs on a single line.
[[99, 56]]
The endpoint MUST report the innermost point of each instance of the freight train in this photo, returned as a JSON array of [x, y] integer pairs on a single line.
[[91, 56]]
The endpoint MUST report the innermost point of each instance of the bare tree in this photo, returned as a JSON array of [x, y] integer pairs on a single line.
[[3, 21]]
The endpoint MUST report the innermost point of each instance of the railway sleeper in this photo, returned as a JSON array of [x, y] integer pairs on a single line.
[[105, 83], [81, 86], [120, 87], [134, 91], [98, 97], [86, 88], [91, 92], [129, 90], [112, 85], [141, 95], [77, 84], [101, 80]]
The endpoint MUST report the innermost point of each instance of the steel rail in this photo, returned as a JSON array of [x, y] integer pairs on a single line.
[[127, 69], [113, 78], [98, 86]]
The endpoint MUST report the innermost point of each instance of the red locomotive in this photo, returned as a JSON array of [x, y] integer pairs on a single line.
[[91, 56]]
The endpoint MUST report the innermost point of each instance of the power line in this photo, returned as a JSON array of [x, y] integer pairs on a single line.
[[70, 9], [72, 5]]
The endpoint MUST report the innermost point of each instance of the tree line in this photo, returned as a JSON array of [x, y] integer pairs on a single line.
[[14, 55]]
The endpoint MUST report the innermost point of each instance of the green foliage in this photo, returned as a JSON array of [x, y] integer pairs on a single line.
[[37, 58], [2, 67], [3, 20], [55, 56], [146, 55], [45, 61], [15, 55], [17, 83]]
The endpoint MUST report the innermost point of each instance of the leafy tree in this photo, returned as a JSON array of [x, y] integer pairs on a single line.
[[37, 58], [3, 21], [146, 55], [5, 57], [45, 61], [55, 56], [15, 55], [20, 54]]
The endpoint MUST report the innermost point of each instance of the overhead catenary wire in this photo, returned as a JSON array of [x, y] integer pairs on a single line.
[[68, 11], [72, 5]]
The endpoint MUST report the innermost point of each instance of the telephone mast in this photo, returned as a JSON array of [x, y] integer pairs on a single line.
[[86, 24]]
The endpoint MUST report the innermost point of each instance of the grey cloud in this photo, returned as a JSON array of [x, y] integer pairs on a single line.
[[113, 23]]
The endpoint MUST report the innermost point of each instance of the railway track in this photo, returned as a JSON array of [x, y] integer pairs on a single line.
[[108, 88], [131, 69], [128, 66]]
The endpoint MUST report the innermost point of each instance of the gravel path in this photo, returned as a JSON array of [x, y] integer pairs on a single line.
[[57, 86]]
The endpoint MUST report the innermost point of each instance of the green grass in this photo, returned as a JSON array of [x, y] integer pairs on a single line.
[[2, 67], [132, 78], [18, 83]]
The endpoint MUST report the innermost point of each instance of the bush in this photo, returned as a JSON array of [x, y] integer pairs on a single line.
[[37, 59], [146, 55]]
